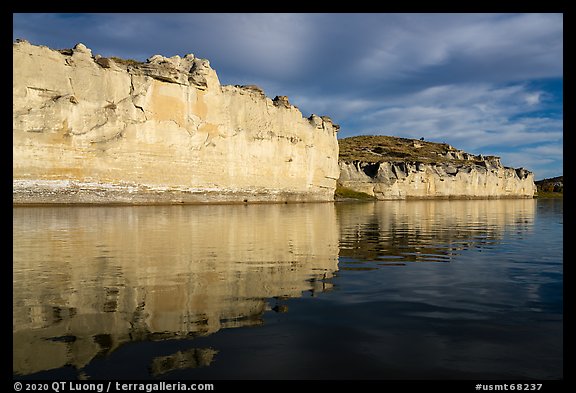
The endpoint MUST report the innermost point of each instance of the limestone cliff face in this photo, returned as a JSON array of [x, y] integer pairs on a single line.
[[88, 129], [451, 174]]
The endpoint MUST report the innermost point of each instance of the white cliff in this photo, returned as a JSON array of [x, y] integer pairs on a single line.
[[375, 166], [88, 129]]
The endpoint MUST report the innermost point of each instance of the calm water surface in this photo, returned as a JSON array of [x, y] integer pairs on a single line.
[[378, 290]]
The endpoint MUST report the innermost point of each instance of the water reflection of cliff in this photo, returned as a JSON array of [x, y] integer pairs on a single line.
[[395, 232], [88, 279]]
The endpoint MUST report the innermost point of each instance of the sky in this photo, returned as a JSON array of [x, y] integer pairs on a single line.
[[488, 84]]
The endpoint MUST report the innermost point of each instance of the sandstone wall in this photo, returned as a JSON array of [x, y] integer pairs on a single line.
[[485, 178], [88, 129]]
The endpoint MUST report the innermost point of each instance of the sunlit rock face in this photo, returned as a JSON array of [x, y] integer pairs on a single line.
[[485, 178], [88, 129]]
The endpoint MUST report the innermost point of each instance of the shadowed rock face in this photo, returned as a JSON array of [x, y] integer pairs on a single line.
[[88, 129]]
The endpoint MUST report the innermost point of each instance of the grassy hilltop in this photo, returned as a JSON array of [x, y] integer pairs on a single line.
[[371, 148]]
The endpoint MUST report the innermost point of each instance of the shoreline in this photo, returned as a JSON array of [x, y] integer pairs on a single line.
[[213, 203]]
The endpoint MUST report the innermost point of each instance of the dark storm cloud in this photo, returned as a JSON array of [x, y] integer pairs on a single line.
[[463, 78]]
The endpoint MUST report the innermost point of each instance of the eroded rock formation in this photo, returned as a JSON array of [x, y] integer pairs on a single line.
[[435, 171], [89, 129]]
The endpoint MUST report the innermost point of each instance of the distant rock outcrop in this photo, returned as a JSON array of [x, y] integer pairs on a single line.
[[399, 168], [90, 129], [552, 184]]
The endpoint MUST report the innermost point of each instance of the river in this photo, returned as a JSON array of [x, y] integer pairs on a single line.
[[394, 290]]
